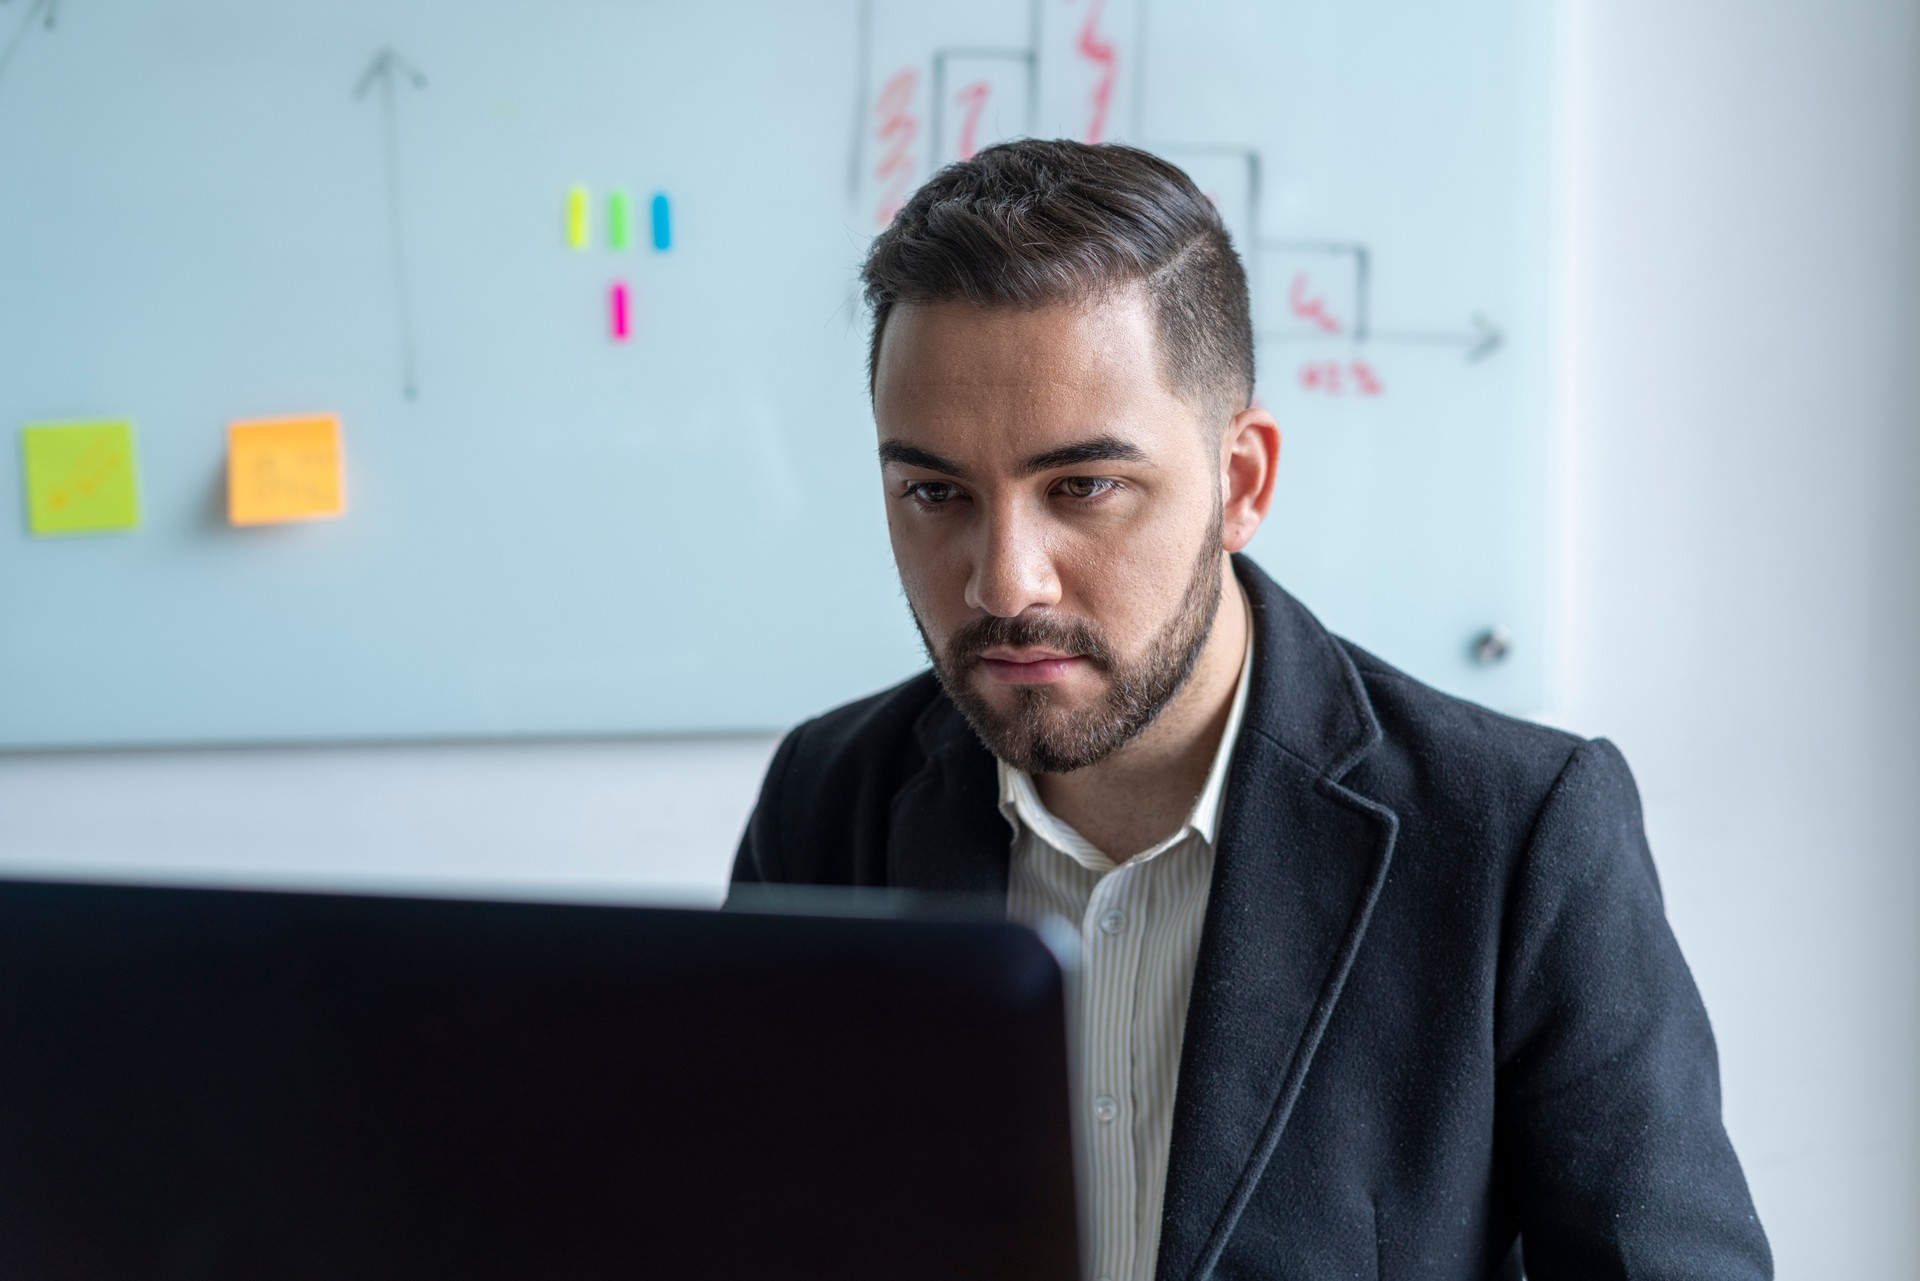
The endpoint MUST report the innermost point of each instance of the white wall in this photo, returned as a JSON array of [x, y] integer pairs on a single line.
[[1741, 240], [622, 820], [1742, 565]]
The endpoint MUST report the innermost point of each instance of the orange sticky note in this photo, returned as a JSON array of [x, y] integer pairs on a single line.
[[285, 469]]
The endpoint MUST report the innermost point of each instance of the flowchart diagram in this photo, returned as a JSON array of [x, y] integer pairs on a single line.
[[1082, 69]]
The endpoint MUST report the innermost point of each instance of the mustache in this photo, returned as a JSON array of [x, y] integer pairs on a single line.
[[1068, 635]]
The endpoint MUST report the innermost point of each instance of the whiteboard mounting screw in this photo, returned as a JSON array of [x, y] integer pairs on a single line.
[[1492, 646]]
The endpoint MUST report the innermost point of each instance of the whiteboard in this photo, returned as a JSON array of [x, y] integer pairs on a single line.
[[222, 210]]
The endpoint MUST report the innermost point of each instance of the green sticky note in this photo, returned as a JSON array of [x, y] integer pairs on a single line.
[[81, 477], [619, 220]]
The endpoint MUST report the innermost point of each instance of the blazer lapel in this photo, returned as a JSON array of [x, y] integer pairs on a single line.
[[1300, 862], [945, 832]]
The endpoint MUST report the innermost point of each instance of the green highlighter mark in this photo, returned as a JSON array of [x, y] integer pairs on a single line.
[[81, 477], [619, 220]]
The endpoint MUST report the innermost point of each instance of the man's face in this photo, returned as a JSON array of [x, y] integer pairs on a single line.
[[1055, 514]]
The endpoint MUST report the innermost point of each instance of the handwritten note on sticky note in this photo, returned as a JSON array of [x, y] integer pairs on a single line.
[[285, 469], [81, 477]]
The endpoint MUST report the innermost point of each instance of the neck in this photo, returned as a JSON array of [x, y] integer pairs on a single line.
[[1144, 792]]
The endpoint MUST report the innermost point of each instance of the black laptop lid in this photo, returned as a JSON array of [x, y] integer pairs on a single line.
[[211, 1084]]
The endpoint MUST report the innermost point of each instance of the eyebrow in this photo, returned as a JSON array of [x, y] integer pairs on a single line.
[[1096, 449], [898, 451]]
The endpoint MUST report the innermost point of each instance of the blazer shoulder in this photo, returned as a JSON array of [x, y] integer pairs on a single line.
[[1454, 751], [822, 813], [882, 728]]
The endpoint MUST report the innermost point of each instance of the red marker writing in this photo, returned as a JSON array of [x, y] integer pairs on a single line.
[[897, 130], [1099, 50], [974, 99], [1313, 310]]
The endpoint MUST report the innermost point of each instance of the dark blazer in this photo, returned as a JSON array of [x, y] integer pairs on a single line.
[[1437, 1003]]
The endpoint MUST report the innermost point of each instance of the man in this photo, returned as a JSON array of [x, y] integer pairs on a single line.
[[1375, 980]]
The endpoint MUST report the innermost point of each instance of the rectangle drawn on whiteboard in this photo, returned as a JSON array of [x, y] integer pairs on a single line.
[[1229, 177]]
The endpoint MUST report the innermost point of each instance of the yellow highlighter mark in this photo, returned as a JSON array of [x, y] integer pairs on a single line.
[[579, 226]]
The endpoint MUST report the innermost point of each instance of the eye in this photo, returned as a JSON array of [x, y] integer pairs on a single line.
[[1087, 489], [932, 493]]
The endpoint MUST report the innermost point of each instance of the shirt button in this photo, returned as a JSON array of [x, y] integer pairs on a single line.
[[1113, 922], [1105, 1109]]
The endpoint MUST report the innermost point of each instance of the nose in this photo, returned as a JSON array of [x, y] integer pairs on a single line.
[[1013, 568]]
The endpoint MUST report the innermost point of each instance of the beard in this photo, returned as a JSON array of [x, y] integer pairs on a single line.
[[1041, 737]]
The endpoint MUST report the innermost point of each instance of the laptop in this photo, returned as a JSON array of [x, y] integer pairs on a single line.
[[220, 1084]]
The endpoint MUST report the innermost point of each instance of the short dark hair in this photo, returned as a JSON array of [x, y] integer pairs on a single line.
[[1037, 221]]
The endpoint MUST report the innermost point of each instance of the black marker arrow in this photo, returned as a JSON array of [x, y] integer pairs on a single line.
[[386, 67], [1481, 343], [43, 10]]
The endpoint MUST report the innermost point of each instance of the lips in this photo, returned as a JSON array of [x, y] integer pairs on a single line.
[[1024, 653], [1028, 667]]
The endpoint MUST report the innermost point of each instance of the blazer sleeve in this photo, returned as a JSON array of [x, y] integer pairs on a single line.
[[759, 860], [1607, 1093]]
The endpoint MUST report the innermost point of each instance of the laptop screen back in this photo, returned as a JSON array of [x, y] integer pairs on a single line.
[[213, 1084]]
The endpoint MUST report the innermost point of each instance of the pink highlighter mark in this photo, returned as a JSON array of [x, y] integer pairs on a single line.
[[622, 318]]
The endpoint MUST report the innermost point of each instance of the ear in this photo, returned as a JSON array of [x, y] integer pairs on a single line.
[[1249, 461]]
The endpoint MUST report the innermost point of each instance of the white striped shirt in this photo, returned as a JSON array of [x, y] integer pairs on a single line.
[[1139, 924]]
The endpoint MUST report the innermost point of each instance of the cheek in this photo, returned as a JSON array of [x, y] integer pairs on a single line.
[[934, 582], [1129, 581]]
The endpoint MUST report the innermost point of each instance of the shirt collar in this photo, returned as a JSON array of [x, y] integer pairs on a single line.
[[1020, 800], [1213, 797]]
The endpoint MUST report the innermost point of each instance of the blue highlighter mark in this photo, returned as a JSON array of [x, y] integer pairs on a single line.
[[662, 222]]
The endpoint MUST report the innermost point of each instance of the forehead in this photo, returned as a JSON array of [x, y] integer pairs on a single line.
[[993, 381]]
